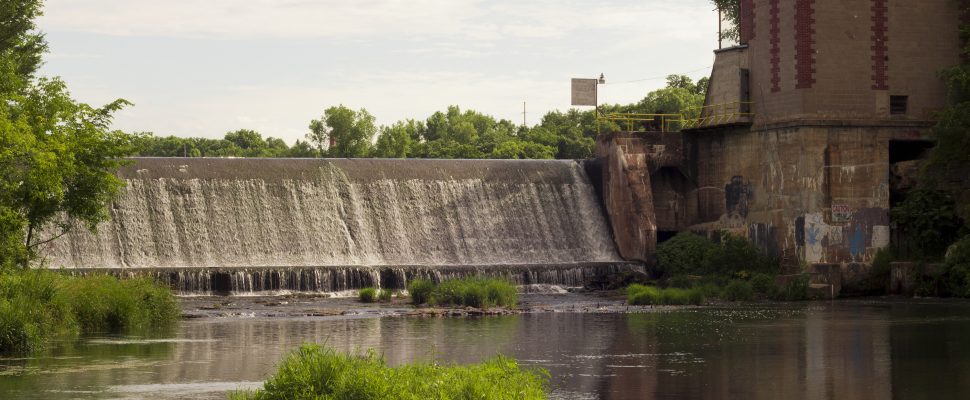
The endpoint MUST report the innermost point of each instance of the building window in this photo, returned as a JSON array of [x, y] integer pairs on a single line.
[[897, 105]]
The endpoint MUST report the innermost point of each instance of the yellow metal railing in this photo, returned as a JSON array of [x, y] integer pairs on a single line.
[[647, 122], [717, 114], [694, 117]]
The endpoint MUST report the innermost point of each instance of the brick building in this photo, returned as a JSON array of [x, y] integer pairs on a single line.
[[803, 125]]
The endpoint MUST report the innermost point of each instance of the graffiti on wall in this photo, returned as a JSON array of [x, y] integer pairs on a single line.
[[737, 194], [867, 230]]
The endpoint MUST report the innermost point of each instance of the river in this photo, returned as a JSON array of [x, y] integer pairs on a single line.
[[850, 349]]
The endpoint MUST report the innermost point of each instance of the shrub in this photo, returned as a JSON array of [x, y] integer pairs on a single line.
[[637, 294], [795, 290], [384, 295], [735, 254], [675, 296], [420, 291], [322, 373], [957, 269], [738, 290], [878, 280], [762, 283], [929, 222], [709, 290], [37, 306], [104, 303], [683, 254], [367, 295], [475, 292]]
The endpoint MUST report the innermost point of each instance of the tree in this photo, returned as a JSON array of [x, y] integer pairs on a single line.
[[395, 140], [58, 160], [57, 156], [344, 132], [731, 10]]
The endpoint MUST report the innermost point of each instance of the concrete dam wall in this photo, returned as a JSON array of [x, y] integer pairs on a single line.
[[189, 215]]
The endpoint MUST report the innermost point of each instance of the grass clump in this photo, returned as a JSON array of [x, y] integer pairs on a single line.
[[796, 289], [420, 291], [315, 372], [637, 294], [384, 295], [367, 295], [39, 306], [475, 292]]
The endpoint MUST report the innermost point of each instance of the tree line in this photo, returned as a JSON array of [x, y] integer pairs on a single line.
[[452, 133]]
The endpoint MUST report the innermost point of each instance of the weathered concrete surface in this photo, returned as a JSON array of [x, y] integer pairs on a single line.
[[628, 196]]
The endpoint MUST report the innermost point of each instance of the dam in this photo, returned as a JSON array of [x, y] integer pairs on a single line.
[[224, 225]]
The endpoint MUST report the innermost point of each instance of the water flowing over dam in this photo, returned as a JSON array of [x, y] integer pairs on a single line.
[[263, 224]]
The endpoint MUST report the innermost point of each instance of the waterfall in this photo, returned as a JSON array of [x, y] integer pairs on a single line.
[[228, 225]]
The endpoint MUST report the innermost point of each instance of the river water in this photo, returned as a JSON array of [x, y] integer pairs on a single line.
[[858, 349]]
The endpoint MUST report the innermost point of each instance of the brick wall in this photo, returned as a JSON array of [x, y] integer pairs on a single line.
[[804, 44]]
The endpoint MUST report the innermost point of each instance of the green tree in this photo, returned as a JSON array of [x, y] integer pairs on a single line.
[[58, 160], [731, 10], [344, 132], [395, 141], [21, 46]]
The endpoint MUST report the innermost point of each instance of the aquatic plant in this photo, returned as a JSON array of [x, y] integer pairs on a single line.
[[420, 291], [367, 295], [643, 295], [315, 372], [384, 295], [475, 292], [37, 306]]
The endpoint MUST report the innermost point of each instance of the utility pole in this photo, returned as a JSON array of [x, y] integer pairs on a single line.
[[523, 115]]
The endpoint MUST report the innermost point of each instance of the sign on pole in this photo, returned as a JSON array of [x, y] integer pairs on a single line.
[[584, 92]]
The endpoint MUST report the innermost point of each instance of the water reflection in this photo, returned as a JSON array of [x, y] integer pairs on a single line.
[[857, 350]]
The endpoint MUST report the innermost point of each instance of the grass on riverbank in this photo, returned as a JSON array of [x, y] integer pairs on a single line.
[[37, 306], [470, 292], [315, 372], [637, 294]]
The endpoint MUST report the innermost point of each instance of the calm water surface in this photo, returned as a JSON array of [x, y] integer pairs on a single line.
[[841, 350]]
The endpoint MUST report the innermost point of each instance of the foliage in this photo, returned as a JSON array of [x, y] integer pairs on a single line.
[[762, 283], [879, 275], [314, 372], [420, 291], [929, 223], [367, 295], [343, 132], [796, 289], [732, 12], [384, 295], [21, 46], [683, 254], [688, 253], [475, 292], [103, 303], [33, 310], [957, 268], [738, 290], [37, 306], [644, 295]]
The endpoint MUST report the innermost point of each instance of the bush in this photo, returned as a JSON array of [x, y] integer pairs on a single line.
[[709, 290], [420, 291], [738, 290], [475, 292], [795, 290], [37, 306], [384, 295], [367, 295], [762, 283], [683, 254], [103, 303], [735, 254], [929, 222], [33, 310], [957, 269], [637, 294], [321, 373]]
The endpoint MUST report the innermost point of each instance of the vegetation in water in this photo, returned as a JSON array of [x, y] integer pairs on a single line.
[[38, 306], [420, 291], [637, 294], [469, 292], [367, 295], [315, 372], [384, 295]]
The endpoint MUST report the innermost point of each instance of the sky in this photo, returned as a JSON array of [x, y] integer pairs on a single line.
[[204, 68]]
